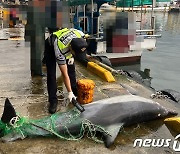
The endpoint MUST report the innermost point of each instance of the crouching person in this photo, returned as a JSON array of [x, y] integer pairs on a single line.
[[60, 48]]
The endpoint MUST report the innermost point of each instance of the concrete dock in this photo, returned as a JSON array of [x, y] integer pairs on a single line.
[[29, 97]]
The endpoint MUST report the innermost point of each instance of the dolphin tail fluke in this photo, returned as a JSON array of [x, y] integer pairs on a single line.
[[113, 130], [9, 112]]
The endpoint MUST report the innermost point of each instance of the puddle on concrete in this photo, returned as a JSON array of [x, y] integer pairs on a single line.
[[38, 85]]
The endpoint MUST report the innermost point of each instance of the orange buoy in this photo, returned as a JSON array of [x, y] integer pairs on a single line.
[[85, 91]]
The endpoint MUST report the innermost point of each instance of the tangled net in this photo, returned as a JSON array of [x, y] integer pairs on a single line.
[[49, 126]]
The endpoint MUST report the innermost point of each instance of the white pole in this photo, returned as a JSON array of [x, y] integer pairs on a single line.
[[141, 15], [132, 5], [152, 17], [98, 27]]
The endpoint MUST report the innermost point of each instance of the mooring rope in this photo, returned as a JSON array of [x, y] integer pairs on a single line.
[[160, 95]]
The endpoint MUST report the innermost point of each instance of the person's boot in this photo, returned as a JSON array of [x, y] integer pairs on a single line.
[[52, 107]]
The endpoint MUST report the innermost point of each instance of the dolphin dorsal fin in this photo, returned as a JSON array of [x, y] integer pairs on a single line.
[[113, 131], [9, 112]]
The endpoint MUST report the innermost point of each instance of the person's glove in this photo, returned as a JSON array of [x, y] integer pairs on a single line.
[[71, 96], [71, 61]]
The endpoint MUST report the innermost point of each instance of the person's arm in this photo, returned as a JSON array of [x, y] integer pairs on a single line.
[[61, 60], [67, 82], [63, 69]]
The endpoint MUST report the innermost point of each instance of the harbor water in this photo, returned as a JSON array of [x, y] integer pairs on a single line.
[[163, 62]]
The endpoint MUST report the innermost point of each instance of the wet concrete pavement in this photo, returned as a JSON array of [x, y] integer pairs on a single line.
[[29, 97]]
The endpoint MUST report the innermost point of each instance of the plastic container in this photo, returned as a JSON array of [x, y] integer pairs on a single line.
[[85, 91]]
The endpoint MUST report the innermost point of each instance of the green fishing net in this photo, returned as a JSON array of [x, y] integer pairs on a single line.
[[15, 124], [60, 124]]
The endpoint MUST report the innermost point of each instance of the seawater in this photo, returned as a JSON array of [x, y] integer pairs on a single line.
[[164, 61]]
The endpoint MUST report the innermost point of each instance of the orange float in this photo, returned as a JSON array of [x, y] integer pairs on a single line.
[[85, 91]]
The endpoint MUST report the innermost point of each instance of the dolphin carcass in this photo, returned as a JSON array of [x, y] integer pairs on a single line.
[[105, 117]]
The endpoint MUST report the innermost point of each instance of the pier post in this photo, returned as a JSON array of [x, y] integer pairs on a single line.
[[42, 14], [153, 3], [35, 34]]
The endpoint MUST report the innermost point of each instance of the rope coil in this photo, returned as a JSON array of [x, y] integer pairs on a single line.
[[86, 126], [160, 95], [14, 122]]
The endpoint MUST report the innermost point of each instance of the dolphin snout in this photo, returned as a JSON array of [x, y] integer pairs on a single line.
[[172, 113]]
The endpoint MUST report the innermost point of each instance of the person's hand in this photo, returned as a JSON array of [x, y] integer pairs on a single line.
[[71, 96], [71, 61], [89, 57]]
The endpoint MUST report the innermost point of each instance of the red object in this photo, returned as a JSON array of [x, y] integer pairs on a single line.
[[120, 44]]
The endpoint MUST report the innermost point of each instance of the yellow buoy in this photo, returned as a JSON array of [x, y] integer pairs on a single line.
[[85, 91], [173, 123], [100, 71]]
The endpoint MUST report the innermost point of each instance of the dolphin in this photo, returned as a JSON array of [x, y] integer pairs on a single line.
[[104, 118]]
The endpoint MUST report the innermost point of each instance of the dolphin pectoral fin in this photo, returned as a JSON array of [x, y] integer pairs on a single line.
[[113, 131]]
